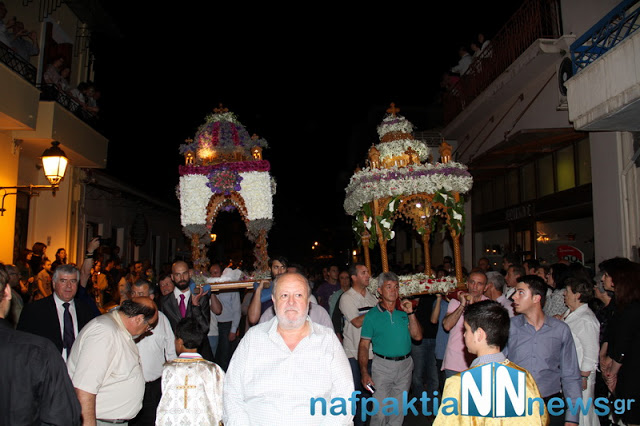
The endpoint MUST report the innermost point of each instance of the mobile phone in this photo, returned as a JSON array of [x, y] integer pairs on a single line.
[[371, 388], [197, 290]]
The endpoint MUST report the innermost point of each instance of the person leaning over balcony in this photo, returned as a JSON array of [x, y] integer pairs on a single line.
[[52, 73], [24, 42], [464, 62], [4, 37]]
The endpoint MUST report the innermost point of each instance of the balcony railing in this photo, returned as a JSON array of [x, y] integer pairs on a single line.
[[614, 27], [533, 20], [50, 92], [17, 64]]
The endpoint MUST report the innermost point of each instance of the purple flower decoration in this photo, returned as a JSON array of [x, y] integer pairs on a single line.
[[224, 180]]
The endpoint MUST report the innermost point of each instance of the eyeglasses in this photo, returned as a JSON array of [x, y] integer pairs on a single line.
[[149, 326]]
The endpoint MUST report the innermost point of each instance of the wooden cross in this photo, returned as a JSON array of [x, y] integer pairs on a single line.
[[392, 109], [186, 388], [220, 109]]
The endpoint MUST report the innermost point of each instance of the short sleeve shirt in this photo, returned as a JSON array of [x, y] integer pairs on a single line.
[[388, 331], [104, 361], [352, 305]]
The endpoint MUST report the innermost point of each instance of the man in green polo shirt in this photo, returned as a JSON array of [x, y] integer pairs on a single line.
[[390, 332]]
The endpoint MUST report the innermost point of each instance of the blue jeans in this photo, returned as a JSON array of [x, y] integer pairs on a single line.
[[213, 341], [425, 370], [355, 372]]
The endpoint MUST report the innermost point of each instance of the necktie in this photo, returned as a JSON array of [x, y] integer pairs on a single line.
[[68, 335], [183, 308]]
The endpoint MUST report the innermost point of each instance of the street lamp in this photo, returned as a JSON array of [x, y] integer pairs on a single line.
[[54, 163]]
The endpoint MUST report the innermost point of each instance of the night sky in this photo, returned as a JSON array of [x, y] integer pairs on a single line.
[[314, 83]]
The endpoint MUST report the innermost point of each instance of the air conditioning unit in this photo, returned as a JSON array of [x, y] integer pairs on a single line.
[[565, 72]]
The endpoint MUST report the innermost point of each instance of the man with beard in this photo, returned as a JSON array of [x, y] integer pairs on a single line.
[[181, 303], [280, 365]]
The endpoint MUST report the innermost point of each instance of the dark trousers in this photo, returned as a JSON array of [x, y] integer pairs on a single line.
[[425, 370], [355, 372], [225, 347], [555, 420], [150, 401]]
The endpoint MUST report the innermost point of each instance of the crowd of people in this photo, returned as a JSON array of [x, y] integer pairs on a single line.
[[86, 95], [470, 61], [128, 346], [24, 44]]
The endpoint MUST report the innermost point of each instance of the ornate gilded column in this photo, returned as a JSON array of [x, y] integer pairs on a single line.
[[365, 248], [427, 252]]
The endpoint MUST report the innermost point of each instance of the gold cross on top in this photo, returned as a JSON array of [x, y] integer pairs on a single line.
[[186, 388], [393, 110], [220, 109]]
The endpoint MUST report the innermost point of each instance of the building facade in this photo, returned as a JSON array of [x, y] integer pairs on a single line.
[[34, 112], [548, 182]]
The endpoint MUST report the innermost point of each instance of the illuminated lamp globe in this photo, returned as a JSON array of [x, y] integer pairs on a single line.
[[54, 162]]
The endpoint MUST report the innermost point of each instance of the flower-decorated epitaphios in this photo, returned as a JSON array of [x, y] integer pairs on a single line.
[[370, 184], [417, 284], [224, 171], [398, 183]]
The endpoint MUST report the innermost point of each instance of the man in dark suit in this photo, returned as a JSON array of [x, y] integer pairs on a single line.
[[36, 388], [61, 316], [182, 303]]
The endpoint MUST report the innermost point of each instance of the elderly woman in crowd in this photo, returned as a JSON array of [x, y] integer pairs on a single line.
[[621, 364], [558, 273], [585, 329]]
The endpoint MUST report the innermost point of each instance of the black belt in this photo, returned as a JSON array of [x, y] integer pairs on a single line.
[[393, 358], [115, 422]]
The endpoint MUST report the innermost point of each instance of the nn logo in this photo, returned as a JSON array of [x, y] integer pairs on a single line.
[[493, 390]]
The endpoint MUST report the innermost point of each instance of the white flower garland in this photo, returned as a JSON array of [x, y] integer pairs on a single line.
[[402, 125], [363, 188], [398, 147], [255, 189], [194, 198], [411, 285]]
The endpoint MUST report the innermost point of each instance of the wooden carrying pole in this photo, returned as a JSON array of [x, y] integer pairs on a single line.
[[381, 240], [365, 248], [427, 252]]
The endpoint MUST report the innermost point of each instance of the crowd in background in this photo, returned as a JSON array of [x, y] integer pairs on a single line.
[[598, 308]]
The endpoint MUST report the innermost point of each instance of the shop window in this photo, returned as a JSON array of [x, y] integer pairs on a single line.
[[584, 161], [565, 168], [528, 181], [512, 187], [545, 175]]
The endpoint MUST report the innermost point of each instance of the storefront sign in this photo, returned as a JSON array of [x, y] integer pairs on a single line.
[[570, 253], [519, 212]]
